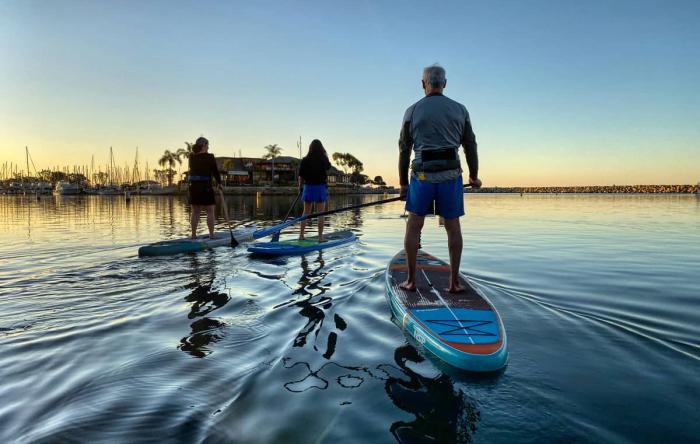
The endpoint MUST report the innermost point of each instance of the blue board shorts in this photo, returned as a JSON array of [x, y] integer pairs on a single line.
[[315, 193], [448, 197]]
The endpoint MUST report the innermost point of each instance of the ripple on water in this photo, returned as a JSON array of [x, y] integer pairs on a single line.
[[598, 296]]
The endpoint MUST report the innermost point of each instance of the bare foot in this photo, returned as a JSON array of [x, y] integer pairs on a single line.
[[455, 287], [213, 236], [320, 239], [194, 237], [408, 285], [301, 238]]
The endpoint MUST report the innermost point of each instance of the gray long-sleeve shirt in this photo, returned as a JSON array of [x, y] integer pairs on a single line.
[[436, 121]]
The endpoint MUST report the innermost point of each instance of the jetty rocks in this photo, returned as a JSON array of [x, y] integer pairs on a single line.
[[609, 189]]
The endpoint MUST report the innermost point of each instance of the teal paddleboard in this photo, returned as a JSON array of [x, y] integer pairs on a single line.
[[463, 329]]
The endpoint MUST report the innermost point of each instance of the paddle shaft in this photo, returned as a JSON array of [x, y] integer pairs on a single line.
[[234, 242], [294, 204], [354, 207], [276, 228], [276, 236], [268, 231]]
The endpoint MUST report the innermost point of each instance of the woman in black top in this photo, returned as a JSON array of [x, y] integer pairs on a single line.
[[202, 169], [313, 176]]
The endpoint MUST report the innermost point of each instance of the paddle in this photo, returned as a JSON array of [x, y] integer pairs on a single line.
[[275, 228], [353, 207], [276, 237], [234, 242], [294, 204]]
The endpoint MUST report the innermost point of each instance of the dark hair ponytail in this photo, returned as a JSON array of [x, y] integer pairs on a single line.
[[199, 145], [316, 149]]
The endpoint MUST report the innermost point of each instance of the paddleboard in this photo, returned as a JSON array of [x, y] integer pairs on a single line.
[[463, 329], [291, 247], [203, 242]]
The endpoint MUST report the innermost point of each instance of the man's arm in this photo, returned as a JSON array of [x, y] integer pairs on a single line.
[[469, 144], [405, 146]]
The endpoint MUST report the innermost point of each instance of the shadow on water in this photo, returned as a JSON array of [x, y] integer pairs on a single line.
[[443, 413], [205, 330]]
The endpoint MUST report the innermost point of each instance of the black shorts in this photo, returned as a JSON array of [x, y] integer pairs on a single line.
[[201, 193]]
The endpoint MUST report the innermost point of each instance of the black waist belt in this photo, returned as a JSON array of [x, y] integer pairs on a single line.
[[439, 154], [193, 178], [436, 160]]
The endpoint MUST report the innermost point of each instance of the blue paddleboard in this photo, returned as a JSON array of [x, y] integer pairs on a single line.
[[187, 245], [291, 247], [462, 329]]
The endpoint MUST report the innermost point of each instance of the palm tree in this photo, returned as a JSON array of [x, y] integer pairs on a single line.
[[273, 152], [169, 158], [185, 152]]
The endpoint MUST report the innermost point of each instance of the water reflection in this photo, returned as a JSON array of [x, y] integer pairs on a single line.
[[204, 331], [314, 302], [442, 412], [90, 354]]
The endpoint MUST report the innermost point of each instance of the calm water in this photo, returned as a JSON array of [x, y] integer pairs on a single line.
[[600, 296]]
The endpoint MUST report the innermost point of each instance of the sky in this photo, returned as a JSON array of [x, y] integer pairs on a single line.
[[560, 92]]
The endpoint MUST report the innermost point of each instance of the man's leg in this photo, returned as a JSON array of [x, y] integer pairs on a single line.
[[414, 225], [454, 245]]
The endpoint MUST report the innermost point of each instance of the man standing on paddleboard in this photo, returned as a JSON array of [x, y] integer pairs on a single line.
[[434, 128]]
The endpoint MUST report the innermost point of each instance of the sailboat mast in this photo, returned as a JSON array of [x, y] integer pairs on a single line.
[[135, 174], [111, 169]]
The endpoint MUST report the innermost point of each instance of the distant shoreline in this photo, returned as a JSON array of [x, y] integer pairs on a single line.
[[608, 189], [293, 191]]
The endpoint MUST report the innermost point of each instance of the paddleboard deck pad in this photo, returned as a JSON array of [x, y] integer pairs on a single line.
[[463, 329], [310, 244], [187, 245]]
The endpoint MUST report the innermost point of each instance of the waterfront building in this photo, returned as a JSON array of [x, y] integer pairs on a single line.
[[254, 171]]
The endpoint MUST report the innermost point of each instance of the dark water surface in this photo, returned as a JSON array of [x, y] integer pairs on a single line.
[[600, 296]]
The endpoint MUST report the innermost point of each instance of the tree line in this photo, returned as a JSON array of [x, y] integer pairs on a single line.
[[347, 162]]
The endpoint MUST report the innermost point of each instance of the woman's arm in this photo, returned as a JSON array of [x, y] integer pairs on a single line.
[[215, 170], [302, 173]]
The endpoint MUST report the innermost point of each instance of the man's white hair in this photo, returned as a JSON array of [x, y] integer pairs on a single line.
[[434, 75]]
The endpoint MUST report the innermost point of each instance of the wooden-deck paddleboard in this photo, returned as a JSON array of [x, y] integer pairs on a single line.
[[463, 329]]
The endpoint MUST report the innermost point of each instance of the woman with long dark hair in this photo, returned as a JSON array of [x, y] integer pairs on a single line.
[[313, 179], [202, 169]]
